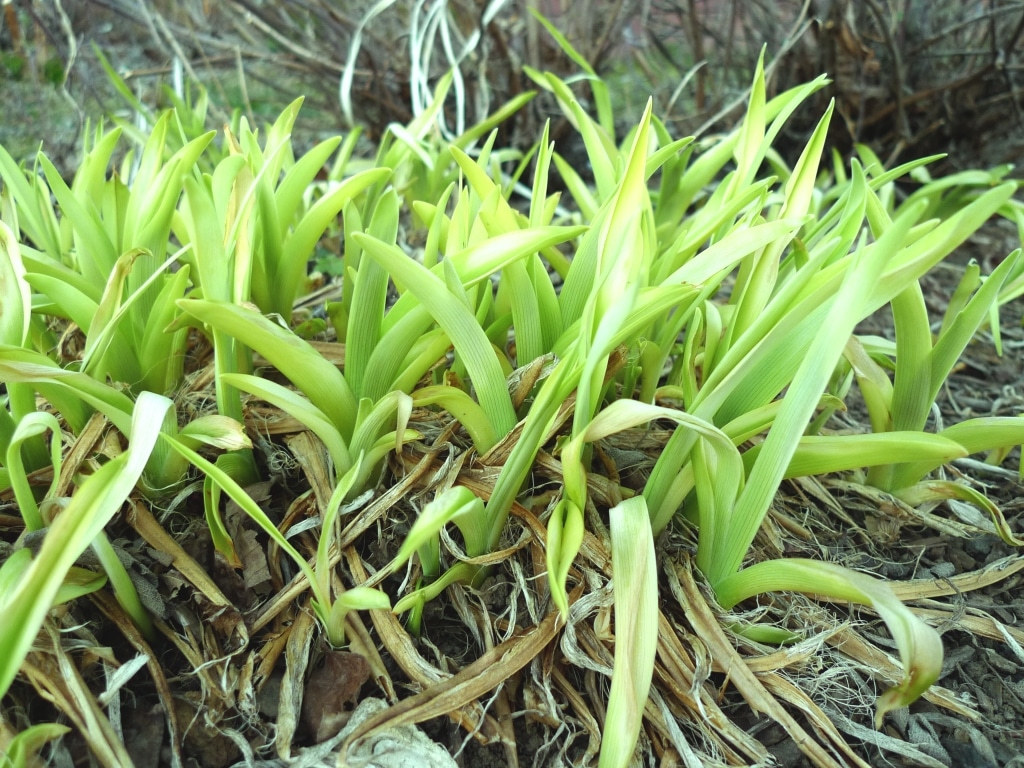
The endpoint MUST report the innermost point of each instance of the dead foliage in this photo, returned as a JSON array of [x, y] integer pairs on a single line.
[[910, 78]]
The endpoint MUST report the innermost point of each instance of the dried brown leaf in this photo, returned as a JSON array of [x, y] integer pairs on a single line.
[[112, 609], [709, 630], [332, 692], [217, 609], [54, 675], [483, 675], [300, 641], [992, 573]]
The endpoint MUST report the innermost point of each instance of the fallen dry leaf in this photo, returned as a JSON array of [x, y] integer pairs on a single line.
[[332, 693]]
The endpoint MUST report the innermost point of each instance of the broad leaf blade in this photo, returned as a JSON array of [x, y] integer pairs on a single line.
[[635, 587]]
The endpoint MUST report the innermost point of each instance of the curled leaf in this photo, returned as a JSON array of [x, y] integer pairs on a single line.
[[565, 536], [919, 645]]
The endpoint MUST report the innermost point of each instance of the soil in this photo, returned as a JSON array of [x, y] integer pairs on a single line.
[[233, 669]]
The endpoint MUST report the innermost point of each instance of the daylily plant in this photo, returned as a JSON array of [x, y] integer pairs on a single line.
[[686, 286], [806, 277]]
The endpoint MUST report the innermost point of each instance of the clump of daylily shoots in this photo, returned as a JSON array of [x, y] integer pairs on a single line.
[[682, 285]]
